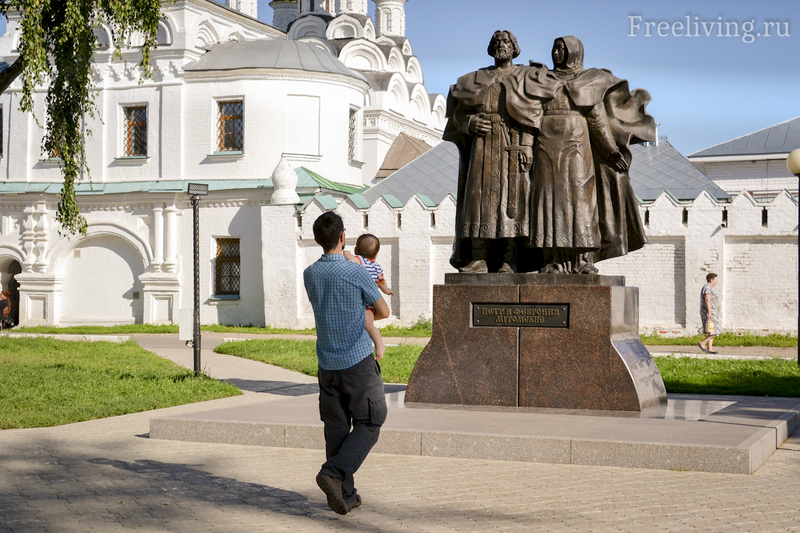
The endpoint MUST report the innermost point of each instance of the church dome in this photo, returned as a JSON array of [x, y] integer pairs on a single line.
[[271, 54]]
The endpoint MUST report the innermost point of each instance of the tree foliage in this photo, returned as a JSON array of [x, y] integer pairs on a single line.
[[56, 47]]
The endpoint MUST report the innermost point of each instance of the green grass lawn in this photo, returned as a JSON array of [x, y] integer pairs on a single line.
[[44, 382], [769, 377], [131, 329], [725, 339], [420, 329], [751, 377]]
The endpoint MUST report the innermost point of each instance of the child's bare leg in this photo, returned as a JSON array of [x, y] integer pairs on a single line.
[[375, 335]]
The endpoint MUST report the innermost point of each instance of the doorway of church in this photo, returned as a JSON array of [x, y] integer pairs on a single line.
[[9, 268]]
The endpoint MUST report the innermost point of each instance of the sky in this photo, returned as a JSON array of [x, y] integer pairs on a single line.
[[707, 87]]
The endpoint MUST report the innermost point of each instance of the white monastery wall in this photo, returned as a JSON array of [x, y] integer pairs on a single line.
[[135, 264], [658, 270], [760, 282], [224, 218], [754, 175], [142, 243], [757, 264], [298, 115], [101, 283]]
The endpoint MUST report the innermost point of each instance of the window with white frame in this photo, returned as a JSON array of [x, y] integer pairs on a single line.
[[135, 131], [230, 126]]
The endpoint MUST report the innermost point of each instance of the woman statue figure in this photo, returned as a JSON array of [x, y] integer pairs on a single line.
[[582, 204]]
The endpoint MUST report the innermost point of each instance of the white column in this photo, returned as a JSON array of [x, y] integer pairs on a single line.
[[158, 237], [171, 258], [29, 239]]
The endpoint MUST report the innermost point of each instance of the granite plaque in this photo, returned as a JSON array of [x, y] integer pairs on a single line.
[[521, 315]]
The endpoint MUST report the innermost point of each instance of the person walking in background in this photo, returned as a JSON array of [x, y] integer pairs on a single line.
[[352, 401], [709, 313]]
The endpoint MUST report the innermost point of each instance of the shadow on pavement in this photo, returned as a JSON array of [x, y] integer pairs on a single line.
[[282, 388], [175, 479]]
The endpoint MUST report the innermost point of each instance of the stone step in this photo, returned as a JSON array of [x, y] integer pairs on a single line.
[[732, 434]]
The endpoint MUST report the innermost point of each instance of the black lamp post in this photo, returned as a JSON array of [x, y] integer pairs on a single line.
[[793, 164], [196, 190]]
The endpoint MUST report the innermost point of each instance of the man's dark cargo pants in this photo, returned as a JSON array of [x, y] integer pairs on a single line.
[[352, 405]]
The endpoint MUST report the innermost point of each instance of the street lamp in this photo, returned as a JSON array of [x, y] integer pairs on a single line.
[[793, 164], [196, 190]]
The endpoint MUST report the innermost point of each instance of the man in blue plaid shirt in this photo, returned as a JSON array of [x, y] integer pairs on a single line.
[[350, 380]]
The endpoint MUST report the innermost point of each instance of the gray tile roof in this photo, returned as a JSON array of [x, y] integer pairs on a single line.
[[778, 139], [659, 168], [273, 54], [433, 174], [654, 169]]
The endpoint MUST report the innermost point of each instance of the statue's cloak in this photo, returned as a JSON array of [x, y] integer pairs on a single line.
[[621, 227], [467, 97]]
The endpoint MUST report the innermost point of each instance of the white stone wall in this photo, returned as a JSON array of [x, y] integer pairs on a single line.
[[669, 271], [749, 175], [659, 270], [757, 264], [294, 117], [412, 252], [237, 216], [757, 293], [142, 243]]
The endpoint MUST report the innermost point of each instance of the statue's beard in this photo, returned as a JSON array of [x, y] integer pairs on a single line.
[[503, 54]]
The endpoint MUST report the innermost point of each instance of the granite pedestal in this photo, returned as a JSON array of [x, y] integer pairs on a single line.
[[536, 340]]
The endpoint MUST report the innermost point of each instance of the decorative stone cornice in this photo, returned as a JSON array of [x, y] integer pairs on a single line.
[[273, 75]]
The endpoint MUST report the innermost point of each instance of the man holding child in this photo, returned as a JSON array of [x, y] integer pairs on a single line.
[[352, 402]]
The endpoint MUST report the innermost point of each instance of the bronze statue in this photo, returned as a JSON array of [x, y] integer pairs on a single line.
[[568, 198], [582, 206], [493, 127]]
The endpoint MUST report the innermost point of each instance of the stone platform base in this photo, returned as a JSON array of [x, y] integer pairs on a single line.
[[536, 340], [731, 434]]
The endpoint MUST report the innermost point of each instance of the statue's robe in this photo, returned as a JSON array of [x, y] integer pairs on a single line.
[[579, 202], [493, 190]]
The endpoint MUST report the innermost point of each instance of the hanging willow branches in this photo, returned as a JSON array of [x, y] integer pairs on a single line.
[[56, 47]]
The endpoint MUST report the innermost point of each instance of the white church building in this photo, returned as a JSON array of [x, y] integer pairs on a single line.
[[284, 122]]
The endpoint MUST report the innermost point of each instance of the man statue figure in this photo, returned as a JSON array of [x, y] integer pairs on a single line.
[[494, 128]]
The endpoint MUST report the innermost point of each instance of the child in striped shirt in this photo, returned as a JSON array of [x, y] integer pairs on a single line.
[[366, 251]]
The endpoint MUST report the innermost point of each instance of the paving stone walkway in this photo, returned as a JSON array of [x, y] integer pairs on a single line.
[[107, 476]]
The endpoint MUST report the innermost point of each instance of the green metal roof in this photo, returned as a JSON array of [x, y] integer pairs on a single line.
[[392, 201], [327, 201], [425, 200], [359, 201], [308, 178]]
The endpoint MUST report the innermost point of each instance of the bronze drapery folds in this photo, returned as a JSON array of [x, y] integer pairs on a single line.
[[571, 202]]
